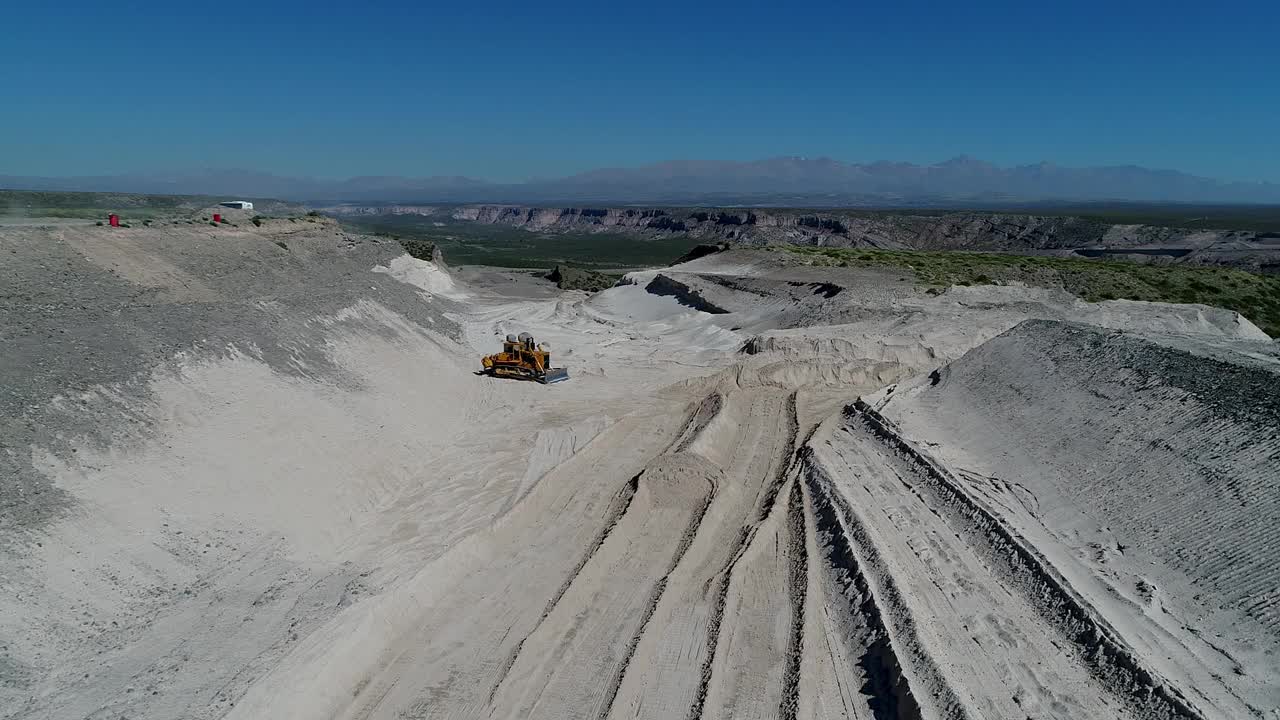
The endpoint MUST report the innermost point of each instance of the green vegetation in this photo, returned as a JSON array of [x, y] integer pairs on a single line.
[[1255, 296], [419, 248], [1258, 218], [470, 243], [571, 278]]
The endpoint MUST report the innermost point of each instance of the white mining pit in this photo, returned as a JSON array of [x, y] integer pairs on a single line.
[[767, 491]]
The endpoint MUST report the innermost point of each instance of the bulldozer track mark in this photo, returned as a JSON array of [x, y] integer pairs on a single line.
[[765, 505], [876, 601], [618, 508], [746, 536], [798, 589], [696, 419], [374, 701], [651, 605], [713, 628], [706, 410], [1091, 641]]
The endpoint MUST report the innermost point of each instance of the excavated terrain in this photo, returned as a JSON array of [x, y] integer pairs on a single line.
[[249, 472]]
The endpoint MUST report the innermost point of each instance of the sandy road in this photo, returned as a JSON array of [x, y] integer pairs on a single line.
[[454, 653], [633, 628], [750, 443]]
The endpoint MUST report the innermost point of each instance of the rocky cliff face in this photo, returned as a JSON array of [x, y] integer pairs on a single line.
[[566, 219], [948, 231], [356, 210]]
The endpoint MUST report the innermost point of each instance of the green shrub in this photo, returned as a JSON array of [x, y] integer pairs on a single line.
[[571, 278], [99, 223], [1255, 296], [418, 248]]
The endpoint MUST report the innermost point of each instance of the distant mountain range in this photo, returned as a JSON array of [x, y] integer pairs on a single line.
[[776, 181]]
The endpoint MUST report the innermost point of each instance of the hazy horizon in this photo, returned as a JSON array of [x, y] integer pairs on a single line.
[[511, 91], [782, 180], [215, 169]]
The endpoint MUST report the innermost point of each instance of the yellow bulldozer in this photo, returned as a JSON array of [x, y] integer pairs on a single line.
[[523, 359]]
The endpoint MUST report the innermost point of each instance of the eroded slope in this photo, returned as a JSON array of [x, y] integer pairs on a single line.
[[1146, 471]]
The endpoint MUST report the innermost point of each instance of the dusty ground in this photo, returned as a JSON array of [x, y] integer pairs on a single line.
[[249, 472]]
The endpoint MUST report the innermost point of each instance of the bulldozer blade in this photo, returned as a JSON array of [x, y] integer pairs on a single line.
[[555, 375]]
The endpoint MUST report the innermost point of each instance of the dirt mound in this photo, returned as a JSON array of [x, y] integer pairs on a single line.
[[1150, 467], [164, 388], [665, 285]]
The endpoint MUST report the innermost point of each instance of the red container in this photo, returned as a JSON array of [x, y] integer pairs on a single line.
[[114, 220], [217, 217]]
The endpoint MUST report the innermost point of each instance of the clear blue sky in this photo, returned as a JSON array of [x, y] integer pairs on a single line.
[[508, 91]]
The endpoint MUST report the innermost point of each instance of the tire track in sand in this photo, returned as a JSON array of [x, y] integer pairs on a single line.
[[745, 537], [695, 420], [798, 585], [686, 539], [1094, 643], [875, 601], [621, 503]]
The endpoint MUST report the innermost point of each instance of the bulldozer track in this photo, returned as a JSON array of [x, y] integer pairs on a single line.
[[798, 588], [875, 603], [651, 605], [745, 537], [618, 508], [1093, 643]]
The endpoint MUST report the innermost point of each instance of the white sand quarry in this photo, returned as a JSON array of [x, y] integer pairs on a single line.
[[1038, 508]]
